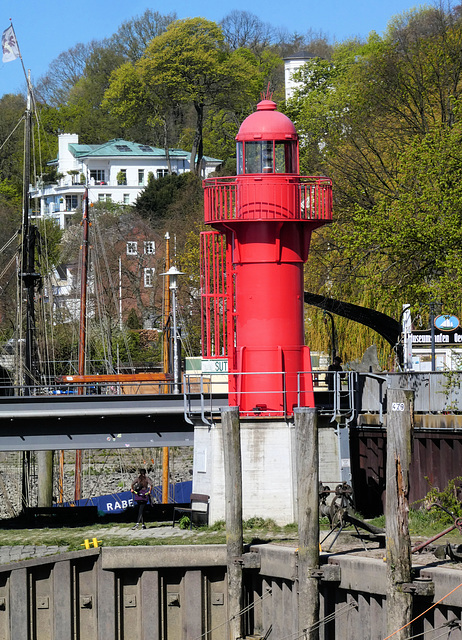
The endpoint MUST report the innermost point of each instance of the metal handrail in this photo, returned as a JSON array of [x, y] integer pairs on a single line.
[[304, 198]]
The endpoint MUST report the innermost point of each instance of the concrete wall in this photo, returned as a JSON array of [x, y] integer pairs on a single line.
[[180, 593], [268, 471]]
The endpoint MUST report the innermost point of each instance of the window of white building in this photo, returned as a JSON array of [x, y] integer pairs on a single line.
[[126, 198], [72, 202], [132, 248], [140, 176], [161, 173], [149, 276], [98, 175]]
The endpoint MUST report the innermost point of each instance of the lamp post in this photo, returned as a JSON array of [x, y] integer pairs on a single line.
[[326, 315], [406, 324], [173, 274], [432, 335]]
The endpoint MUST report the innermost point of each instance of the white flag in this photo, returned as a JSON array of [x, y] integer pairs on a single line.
[[9, 45]]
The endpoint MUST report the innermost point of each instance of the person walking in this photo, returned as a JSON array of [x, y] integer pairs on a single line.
[[333, 376], [141, 489], [336, 366]]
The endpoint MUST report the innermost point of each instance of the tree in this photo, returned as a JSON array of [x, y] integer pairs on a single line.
[[242, 29], [63, 73], [170, 199], [149, 113], [417, 235], [12, 108], [381, 118], [189, 64], [133, 36]]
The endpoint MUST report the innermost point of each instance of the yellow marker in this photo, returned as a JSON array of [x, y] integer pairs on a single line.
[[87, 544]]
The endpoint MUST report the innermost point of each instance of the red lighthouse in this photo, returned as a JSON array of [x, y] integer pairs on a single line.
[[266, 214]]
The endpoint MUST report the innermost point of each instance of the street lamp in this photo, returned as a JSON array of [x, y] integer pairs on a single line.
[[326, 315], [173, 274]]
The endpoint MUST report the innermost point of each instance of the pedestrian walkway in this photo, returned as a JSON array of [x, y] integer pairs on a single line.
[[151, 531], [27, 552], [116, 535]]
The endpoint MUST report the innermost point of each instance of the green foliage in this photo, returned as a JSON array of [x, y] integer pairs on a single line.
[[447, 498], [10, 195], [185, 67], [12, 107], [382, 119], [259, 523], [219, 525], [133, 321], [49, 248], [131, 349], [169, 196], [184, 522], [121, 177]]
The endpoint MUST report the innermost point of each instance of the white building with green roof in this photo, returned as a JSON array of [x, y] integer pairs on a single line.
[[115, 171]]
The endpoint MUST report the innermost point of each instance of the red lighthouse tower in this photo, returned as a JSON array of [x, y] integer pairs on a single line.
[[266, 214]]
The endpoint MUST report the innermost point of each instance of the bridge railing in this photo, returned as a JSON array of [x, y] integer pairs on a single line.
[[349, 394], [88, 389]]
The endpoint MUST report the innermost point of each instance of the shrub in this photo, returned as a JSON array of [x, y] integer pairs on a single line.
[[448, 498]]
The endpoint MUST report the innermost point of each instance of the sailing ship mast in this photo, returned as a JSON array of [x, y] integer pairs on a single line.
[[28, 274], [82, 330], [166, 361]]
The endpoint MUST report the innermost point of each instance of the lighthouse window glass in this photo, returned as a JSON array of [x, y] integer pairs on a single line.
[[259, 157], [267, 157], [240, 158], [285, 154], [252, 157]]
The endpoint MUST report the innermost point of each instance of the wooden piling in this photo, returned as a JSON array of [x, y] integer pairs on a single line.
[[234, 534], [400, 409], [307, 465], [45, 478]]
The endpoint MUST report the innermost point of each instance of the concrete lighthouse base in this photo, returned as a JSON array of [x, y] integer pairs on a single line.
[[268, 467]]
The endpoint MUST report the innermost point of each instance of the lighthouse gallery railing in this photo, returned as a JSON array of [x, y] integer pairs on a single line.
[[303, 198]]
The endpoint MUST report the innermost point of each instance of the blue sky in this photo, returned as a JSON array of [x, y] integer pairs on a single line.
[[45, 29]]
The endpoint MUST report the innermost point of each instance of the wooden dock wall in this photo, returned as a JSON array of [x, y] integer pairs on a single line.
[[180, 593]]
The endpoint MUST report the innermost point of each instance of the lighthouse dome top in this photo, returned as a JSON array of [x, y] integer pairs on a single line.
[[266, 123]]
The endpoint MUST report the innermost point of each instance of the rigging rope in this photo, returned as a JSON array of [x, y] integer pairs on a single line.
[[446, 625], [21, 120], [101, 249], [9, 242], [240, 613], [8, 265], [423, 612], [295, 635]]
